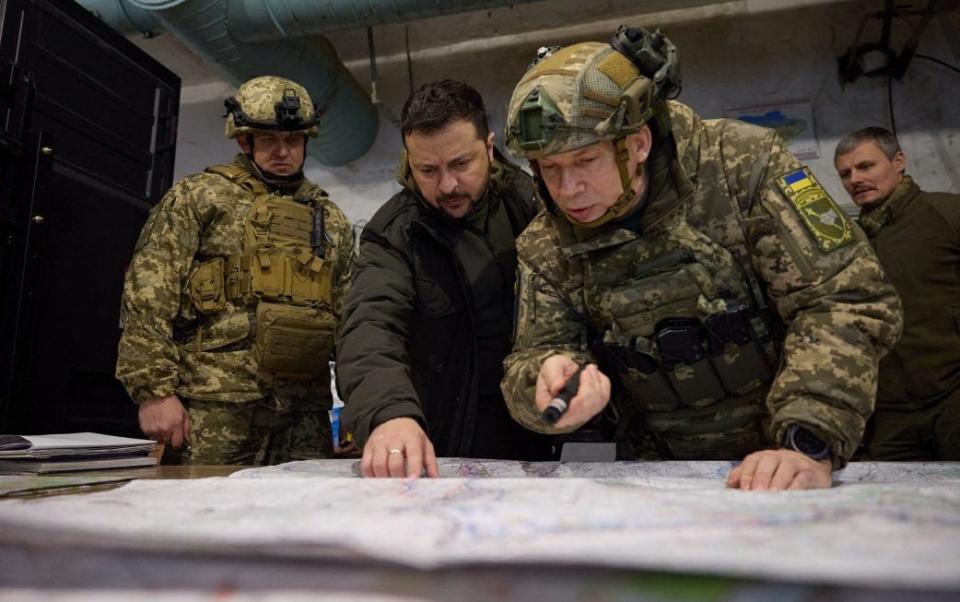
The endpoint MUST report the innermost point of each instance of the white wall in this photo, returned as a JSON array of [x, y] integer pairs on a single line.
[[734, 54]]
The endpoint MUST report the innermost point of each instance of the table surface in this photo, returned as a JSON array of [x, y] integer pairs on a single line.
[[42, 568]]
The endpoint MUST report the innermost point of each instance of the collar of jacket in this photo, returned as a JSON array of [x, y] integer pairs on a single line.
[[287, 186], [873, 218]]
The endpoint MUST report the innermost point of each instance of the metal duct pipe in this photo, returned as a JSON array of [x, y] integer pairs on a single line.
[[260, 20], [267, 20], [349, 120], [124, 17]]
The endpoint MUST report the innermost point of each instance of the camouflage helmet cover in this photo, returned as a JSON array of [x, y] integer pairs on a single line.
[[270, 103], [576, 96]]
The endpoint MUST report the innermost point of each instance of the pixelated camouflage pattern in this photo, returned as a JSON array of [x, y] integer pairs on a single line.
[[258, 98], [840, 312], [255, 433], [166, 347], [588, 98]]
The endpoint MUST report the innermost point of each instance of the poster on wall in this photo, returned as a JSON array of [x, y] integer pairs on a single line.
[[792, 120]]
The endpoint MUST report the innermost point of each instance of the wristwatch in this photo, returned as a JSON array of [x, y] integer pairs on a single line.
[[801, 439]]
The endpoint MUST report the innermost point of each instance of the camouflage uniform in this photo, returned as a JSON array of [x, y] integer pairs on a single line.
[[239, 413], [720, 229]]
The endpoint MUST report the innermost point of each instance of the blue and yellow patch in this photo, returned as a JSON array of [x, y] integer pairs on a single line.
[[827, 223]]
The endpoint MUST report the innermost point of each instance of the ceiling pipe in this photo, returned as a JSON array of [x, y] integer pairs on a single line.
[[242, 39], [268, 20], [124, 17], [260, 20]]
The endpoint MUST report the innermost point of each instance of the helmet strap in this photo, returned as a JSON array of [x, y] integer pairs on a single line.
[[626, 178], [626, 199]]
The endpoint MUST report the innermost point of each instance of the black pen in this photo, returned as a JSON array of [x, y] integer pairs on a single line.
[[561, 401]]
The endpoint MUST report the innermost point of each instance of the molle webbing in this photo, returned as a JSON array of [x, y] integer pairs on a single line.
[[280, 262], [683, 339], [237, 277]]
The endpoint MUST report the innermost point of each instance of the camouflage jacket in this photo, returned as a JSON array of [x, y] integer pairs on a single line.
[[839, 313], [167, 347]]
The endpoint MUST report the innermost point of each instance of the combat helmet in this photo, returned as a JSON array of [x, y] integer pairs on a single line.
[[270, 103], [575, 96]]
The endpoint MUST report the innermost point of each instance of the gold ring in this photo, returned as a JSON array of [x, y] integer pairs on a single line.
[[394, 451]]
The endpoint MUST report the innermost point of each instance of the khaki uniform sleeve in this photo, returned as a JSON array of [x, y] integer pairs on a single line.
[[840, 311], [148, 358], [547, 323]]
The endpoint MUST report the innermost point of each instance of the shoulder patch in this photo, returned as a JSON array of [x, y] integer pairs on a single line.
[[826, 222], [146, 233]]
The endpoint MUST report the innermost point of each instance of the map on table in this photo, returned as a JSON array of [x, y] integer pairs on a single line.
[[712, 473], [884, 525]]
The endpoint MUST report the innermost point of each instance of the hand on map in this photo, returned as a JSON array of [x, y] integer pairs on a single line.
[[779, 469], [592, 395], [398, 448], [165, 420]]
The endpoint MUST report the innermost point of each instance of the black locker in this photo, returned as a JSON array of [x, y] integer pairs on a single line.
[[87, 137]]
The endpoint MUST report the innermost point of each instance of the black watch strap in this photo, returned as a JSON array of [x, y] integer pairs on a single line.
[[801, 439]]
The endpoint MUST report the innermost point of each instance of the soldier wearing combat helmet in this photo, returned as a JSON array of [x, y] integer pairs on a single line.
[[721, 305], [234, 292]]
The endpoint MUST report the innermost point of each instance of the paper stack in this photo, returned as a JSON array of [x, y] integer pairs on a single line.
[[77, 451]]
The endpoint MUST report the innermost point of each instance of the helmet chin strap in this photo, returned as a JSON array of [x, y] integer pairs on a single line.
[[629, 195]]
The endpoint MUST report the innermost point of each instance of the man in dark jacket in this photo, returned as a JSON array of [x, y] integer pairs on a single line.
[[429, 318], [917, 237]]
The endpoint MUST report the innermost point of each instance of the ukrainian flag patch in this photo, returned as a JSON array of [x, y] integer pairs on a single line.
[[827, 223]]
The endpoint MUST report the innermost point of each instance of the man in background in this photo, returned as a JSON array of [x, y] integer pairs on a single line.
[[916, 234]]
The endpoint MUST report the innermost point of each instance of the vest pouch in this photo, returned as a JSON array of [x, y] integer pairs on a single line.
[[637, 372], [697, 385], [283, 239], [268, 274], [742, 368], [734, 350], [205, 286], [651, 390], [293, 342], [311, 282], [680, 346]]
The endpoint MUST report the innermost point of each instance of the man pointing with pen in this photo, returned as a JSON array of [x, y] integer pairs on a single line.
[[720, 304]]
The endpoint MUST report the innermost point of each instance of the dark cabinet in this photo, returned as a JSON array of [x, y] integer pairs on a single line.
[[87, 138]]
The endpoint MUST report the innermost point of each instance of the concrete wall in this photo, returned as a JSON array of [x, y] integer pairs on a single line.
[[733, 55]]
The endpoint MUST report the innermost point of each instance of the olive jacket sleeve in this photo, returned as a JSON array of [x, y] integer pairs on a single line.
[[373, 367]]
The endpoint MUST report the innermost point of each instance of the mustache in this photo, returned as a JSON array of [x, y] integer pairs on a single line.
[[452, 195]]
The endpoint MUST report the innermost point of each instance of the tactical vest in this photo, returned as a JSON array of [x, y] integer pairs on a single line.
[[284, 272], [676, 320]]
